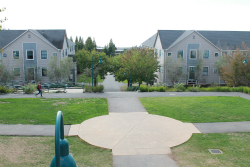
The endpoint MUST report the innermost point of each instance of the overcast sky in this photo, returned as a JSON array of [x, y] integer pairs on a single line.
[[127, 22]]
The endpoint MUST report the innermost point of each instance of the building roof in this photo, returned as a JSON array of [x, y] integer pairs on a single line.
[[53, 37], [150, 42], [227, 40], [224, 40]]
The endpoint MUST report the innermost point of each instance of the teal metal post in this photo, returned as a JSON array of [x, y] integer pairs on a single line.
[[62, 157], [100, 61], [129, 76]]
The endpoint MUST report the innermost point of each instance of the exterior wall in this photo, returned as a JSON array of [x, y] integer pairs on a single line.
[[22, 45], [160, 52], [199, 44]]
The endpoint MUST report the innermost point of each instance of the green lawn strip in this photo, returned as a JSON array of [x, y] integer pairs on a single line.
[[44, 110], [19, 151], [199, 109], [236, 151]]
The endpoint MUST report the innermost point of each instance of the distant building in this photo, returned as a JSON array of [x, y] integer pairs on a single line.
[[169, 44]]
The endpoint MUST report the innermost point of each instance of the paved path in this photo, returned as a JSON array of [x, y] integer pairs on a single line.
[[110, 85]]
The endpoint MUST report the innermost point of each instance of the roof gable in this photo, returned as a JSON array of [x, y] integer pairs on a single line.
[[7, 36], [55, 38], [168, 37], [150, 42], [227, 40]]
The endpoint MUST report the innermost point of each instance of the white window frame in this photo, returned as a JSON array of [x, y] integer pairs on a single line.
[[46, 54], [55, 53], [170, 54], [216, 70], [19, 71], [27, 54], [203, 69], [182, 53], [204, 54], [18, 54], [42, 71], [195, 53], [217, 53]]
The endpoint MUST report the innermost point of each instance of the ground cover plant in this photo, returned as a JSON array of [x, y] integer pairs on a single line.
[[194, 153], [44, 110], [16, 151], [199, 109]]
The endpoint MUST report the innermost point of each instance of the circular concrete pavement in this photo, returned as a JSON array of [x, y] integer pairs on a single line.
[[135, 133]]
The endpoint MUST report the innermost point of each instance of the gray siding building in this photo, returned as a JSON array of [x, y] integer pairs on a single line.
[[210, 45], [27, 52]]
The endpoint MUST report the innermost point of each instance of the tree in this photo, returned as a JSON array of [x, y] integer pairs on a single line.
[[234, 71], [199, 66], [59, 71], [141, 62], [84, 62], [77, 44], [89, 46], [110, 49], [174, 69], [2, 20], [80, 43]]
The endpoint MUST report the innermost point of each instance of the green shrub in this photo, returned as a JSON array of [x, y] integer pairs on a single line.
[[194, 88], [151, 89], [88, 88], [132, 88], [161, 89], [143, 88], [4, 89], [98, 88], [29, 88], [180, 87]]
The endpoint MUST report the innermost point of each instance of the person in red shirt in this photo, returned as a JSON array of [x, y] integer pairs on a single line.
[[40, 89]]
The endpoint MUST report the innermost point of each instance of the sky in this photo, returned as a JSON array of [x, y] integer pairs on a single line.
[[127, 22]]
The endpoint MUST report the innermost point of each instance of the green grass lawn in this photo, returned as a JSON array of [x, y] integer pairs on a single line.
[[16, 151], [199, 109], [194, 153], [44, 110]]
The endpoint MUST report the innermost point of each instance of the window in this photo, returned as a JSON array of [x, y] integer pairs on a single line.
[[30, 55], [205, 71], [43, 54], [16, 54], [216, 54], [17, 72], [54, 54], [160, 53], [180, 54], [192, 54], [193, 37], [215, 70], [29, 36], [4, 54], [169, 54], [156, 51], [44, 71], [206, 54]]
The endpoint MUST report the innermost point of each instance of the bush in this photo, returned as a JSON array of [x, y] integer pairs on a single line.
[[29, 88], [143, 88], [4, 89], [180, 87], [151, 89], [161, 89], [99, 88], [88, 88], [194, 88], [132, 88]]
